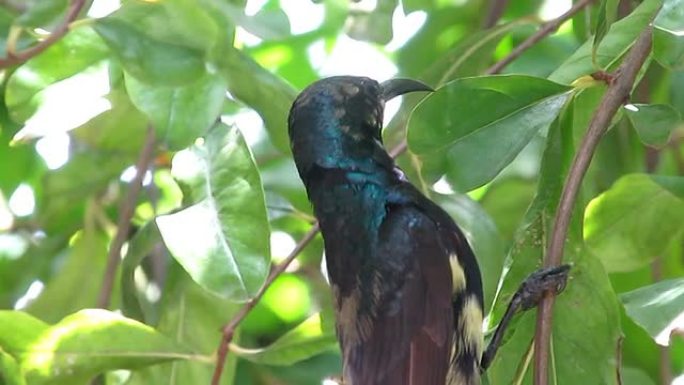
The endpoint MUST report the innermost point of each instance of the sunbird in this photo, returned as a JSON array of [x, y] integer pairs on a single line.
[[406, 286]]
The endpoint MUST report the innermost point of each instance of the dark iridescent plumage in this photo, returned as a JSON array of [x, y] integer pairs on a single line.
[[406, 285]]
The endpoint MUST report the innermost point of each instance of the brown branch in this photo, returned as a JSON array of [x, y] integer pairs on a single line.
[[229, 328], [15, 58], [548, 28], [496, 10], [123, 225], [618, 92]]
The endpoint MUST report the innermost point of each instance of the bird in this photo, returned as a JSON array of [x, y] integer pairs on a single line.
[[406, 286]]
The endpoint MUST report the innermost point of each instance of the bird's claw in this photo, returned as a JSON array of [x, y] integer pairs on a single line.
[[548, 279]]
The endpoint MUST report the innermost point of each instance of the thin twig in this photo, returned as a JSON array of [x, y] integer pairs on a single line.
[[15, 58], [548, 28], [229, 329], [618, 360], [123, 225], [618, 92], [496, 10]]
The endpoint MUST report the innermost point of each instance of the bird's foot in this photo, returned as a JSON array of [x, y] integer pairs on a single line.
[[548, 279]]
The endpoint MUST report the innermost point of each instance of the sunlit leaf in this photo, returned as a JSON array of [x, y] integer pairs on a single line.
[[10, 372], [476, 126], [179, 114], [222, 240], [85, 344], [635, 221], [658, 308]]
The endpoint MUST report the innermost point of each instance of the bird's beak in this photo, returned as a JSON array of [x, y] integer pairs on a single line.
[[395, 87]]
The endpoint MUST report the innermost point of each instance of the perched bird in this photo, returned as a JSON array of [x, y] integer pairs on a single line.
[[407, 288]]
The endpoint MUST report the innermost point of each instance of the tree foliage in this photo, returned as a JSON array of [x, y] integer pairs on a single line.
[[189, 98]]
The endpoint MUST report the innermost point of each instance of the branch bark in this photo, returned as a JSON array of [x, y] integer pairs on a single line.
[[618, 93], [123, 225], [15, 58], [229, 330]]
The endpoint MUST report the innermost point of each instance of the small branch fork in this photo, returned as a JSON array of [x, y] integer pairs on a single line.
[[618, 93], [123, 225], [228, 330], [15, 58]]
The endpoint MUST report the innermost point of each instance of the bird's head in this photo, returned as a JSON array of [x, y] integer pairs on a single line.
[[337, 122]]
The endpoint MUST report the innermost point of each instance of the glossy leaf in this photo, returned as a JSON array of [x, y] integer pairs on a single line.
[[654, 122], [668, 34], [633, 222], [658, 308], [308, 339], [476, 126], [85, 344], [180, 114], [222, 239], [151, 60]]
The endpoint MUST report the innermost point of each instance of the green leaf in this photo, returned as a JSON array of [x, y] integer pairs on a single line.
[[87, 343], [81, 272], [76, 51], [85, 174], [194, 317], [668, 34], [606, 17], [583, 342], [222, 240], [618, 40], [653, 122], [20, 331], [272, 99], [634, 221], [308, 339], [180, 114], [149, 59], [476, 126], [139, 247], [658, 308], [10, 372], [42, 12]]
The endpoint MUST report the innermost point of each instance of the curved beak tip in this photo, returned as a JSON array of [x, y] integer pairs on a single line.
[[395, 87]]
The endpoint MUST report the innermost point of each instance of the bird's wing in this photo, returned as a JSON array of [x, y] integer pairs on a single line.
[[408, 338]]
